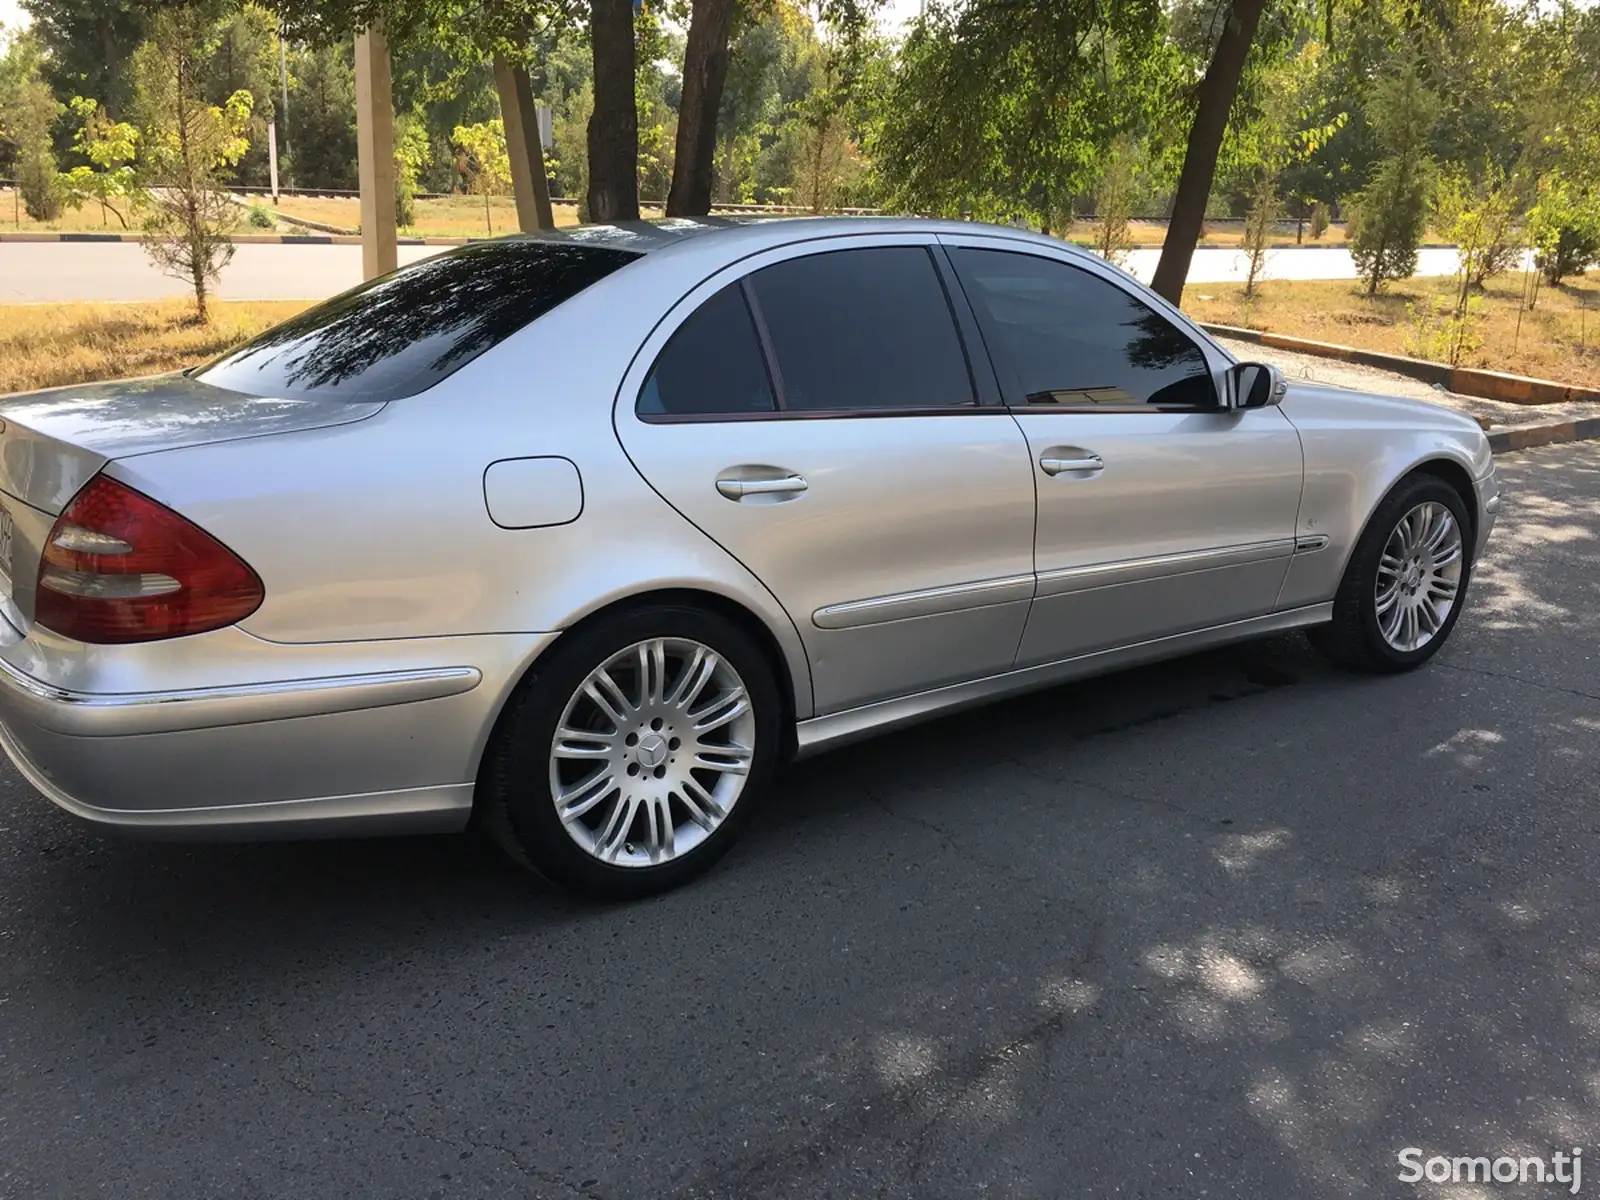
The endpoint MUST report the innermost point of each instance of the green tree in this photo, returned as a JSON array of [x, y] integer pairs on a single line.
[[322, 114], [1115, 194], [1004, 108], [242, 56], [751, 101], [187, 146], [90, 44], [27, 111], [411, 154], [1391, 213], [1564, 227], [487, 163], [1480, 219], [1289, 99], [1214, 99], [111, 147]]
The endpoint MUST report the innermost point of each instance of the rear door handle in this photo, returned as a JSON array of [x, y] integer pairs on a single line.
[[738, 489], [1052, 464]]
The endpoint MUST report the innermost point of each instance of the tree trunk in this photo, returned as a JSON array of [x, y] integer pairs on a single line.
[[1217, 91], [614, 125], [705, 71], [520, 115]]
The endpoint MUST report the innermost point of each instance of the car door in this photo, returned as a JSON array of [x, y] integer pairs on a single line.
[[813, 411], [1160, 510]]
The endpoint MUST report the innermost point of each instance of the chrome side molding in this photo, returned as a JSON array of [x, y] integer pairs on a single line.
[[95, 714]]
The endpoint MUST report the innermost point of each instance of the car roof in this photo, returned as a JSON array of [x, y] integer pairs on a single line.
[[647, 237]]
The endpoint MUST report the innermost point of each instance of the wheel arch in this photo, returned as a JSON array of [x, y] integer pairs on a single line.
[[793, 691], [1460, 481]]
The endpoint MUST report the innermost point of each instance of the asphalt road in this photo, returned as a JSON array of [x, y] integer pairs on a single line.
[[41, 271], [1239, 925]]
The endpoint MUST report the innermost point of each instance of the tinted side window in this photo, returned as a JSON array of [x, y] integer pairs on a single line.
[[863, 329], [1074, 338], [403, 332], [711, 365]]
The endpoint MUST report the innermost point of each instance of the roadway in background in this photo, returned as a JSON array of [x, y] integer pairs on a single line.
[[44, 271]]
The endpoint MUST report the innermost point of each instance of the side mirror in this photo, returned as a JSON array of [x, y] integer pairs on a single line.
[[1256, 385]]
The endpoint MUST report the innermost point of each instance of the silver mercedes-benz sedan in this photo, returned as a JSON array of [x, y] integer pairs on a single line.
[[579, 537]]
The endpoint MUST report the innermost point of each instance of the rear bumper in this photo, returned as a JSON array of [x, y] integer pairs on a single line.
[[325, 753]]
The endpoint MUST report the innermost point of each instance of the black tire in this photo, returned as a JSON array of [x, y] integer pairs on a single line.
[[1353, 638], [514, 805]]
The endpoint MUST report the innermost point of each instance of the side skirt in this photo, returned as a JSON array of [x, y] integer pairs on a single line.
[[854, 724]]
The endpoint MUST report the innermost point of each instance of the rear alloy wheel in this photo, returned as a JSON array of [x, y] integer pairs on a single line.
[[1406, 581], [631, 759]]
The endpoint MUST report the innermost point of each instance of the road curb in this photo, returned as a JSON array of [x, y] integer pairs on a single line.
[[1467, 381], [1525, 437]]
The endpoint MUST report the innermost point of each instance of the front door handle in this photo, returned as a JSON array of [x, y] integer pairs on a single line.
[[1058, 464], [785, 485]]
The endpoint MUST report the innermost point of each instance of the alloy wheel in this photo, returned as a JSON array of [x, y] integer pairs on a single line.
[[652, 752], [1419, 576]]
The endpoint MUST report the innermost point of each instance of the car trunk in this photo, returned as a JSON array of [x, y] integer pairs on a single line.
[[54, 442]]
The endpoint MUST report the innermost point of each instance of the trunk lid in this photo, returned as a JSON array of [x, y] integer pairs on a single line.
[[53, 442]]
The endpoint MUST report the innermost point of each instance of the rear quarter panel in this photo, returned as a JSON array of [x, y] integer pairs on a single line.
[[1357, 447], [380, 530]]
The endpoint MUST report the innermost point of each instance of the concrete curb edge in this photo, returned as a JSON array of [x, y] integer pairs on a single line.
[[1468, 381], [1525, 437]]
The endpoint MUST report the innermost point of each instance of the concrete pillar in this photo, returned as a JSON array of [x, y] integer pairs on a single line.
[[375, 153], [520, 114]]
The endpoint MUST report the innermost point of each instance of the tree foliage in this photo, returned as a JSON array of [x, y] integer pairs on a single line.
[[1002, 108], [187, 144], [27, 111], [1391, 213], [110, 146]]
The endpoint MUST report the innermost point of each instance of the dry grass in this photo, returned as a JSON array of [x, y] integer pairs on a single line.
[[1152, 233], [463, 216], [87, 219], [452, 216], [48, 345], [1559, 339]]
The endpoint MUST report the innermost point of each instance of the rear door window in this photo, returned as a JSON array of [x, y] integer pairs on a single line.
[[402, 333], [863, 330]]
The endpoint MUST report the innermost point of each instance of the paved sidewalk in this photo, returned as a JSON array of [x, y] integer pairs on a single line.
[[1499, 414]]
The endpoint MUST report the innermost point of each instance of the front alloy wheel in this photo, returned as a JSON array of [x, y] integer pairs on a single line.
[[1419, 577], [1406, 581]]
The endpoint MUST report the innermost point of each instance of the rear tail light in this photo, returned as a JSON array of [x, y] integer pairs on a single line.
[[118, 567]]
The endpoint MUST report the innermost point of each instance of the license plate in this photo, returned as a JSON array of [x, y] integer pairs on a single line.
[[7, 529]]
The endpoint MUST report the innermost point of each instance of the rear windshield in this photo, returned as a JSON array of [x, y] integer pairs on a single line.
[[404, 332]]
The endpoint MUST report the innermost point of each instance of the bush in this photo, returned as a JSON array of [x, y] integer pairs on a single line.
[[1564, 226], [260, 217], [1572, 251], [1320, 220], [43, 193]]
